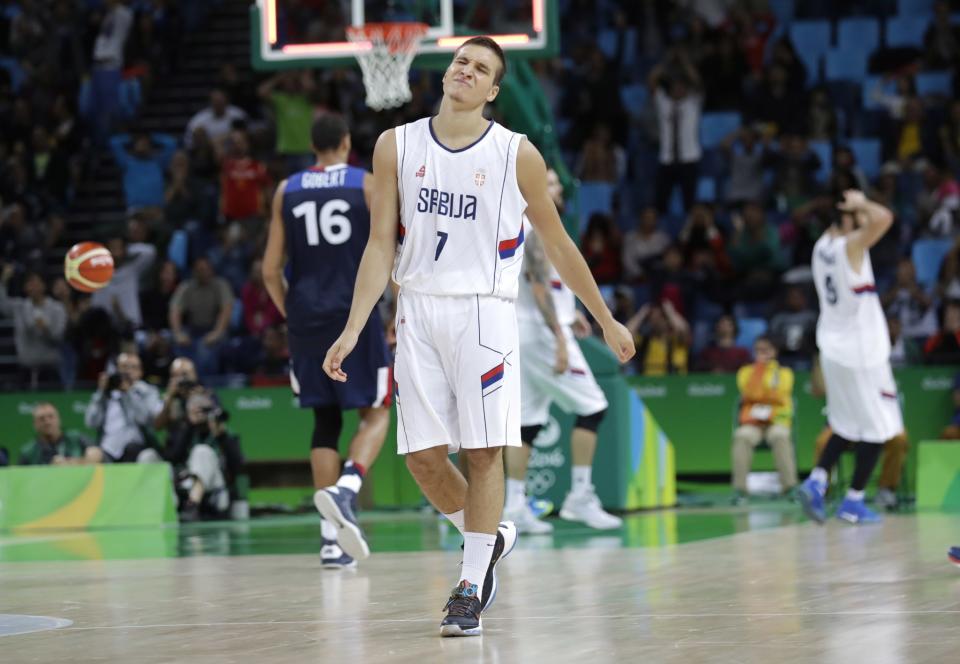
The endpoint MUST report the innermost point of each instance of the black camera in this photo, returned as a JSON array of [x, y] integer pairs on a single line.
[[115, 380], [185, 386], [216, 414]]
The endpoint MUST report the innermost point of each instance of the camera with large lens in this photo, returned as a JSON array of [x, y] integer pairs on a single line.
[[115, 380]]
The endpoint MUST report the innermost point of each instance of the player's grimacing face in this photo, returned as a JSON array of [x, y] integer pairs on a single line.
[[471, 77]]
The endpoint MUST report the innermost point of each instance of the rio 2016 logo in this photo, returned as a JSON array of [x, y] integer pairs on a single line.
[[545, 458]]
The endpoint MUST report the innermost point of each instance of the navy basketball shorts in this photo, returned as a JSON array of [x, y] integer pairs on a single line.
[[367, 368]]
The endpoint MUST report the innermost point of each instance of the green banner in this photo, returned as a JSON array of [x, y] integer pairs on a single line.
[[938, 475], [56, 497]]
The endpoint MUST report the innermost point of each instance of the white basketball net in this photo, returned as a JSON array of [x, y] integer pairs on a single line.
[[385, 55]]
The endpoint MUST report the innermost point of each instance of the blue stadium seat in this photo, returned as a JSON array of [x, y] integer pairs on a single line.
[[915, 7], [715, 126], [750, 329], [634, 98], [236, 315], [177, 250], [594, 197], [868, 152], [824, 150], [783, 10], [870, 84], [846, 64], [811, 36], [935, 83], [859, 33], [706, 190], [927, 254], [607, 42], [907, 30]]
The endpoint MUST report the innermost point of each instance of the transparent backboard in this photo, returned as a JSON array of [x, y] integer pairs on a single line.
[[295, 33]]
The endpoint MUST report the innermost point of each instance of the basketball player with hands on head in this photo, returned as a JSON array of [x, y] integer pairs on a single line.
[[553, 369], [455, 187], [321, 221], [854, 344]]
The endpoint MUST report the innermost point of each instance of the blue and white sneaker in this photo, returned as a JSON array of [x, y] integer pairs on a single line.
[[855, 511], [335, 504], [811, 494], [333, 557], [506, 540], [953, 555]]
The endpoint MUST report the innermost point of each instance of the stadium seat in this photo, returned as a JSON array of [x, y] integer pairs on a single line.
[[607, 42], [915, 7], [935, 83], [594, 197], [706, 190], [907, 30], [824, 150], [927, 254], [715, 126], [177, 250], [783, 10], [750, 329], [861, 33], [634, 98], [846, 64], [236, 315], [871, 83], [868, 154], [811, 39]]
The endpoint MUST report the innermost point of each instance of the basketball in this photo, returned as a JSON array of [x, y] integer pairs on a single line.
[[88, 266]]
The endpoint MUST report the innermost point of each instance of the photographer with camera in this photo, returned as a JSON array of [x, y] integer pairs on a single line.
[[183, 383], [122, 412], [207, 459]]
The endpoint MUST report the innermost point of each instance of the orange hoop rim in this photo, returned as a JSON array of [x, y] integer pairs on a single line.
[[409, 31]]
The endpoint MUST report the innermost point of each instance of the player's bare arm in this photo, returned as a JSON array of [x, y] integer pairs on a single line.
[[537, 271], [875, 220], [562, 252], [374, 271], [273, 255]]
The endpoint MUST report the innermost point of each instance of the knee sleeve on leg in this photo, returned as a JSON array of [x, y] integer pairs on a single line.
[[590, 422], [327, 425], [529, 433]]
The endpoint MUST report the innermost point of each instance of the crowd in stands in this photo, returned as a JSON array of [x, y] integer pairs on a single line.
[[710, 138]]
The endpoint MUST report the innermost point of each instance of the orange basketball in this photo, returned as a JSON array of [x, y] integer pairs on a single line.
[[88, 266]]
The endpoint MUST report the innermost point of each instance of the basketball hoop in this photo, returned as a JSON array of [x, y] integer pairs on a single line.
[[385, 53]]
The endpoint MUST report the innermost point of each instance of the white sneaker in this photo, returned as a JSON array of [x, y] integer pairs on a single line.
[[886, 499], [585, 506], [525, 521]]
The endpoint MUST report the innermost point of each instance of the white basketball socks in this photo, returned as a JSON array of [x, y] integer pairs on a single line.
[[516, 493], [477, 552], [457, 519], [581, 479], [327, 530]]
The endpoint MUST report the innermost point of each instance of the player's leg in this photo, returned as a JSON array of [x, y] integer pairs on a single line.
[[891, 468], [516, 506], [441, 481], [746, 437], [582, 503], [780, 441], [324, 457], [852, 509]]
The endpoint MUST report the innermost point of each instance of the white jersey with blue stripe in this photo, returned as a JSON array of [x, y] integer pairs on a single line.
[[852, 329], [564, 301], [461, 213]]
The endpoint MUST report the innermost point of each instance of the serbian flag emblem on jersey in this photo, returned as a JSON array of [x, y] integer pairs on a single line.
[[491, 377]]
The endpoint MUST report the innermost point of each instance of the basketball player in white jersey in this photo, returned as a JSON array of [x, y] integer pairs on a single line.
[[455, 187], [553, 370], [854, 343]]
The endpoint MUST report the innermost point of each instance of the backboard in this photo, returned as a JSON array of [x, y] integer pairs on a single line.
[[311, 33]]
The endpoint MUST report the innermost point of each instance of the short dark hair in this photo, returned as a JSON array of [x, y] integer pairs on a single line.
[[492, 45], [328, 131], [767, 339]]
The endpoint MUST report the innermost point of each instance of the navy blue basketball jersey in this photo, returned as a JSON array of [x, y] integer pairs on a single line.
[[327, 223]]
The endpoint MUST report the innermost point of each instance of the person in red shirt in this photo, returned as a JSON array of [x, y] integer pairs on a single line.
[[243, 181], [259, 311]]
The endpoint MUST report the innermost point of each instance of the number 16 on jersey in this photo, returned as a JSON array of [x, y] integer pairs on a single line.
[[333, 225]]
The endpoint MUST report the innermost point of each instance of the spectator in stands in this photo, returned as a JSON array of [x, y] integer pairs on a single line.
[[601, 248], [944, 346], [18, 241], [939, 201], [672, 281], [207, 458], [793, 330], [903, 351], [122, 411], [238, 88], [216, 120], [288, 96], [677, 90], [894, 103], [776, 102], [273, 365], [143, 159], [907, 301], [39, 323], [723, 355], [950, 138], [948, 284], [187, 199], [755, 252], [601, 160], [785, 56], [121, 297], [54, 446], [259, 311], [663, 339], [243, 185], [48, 167], [942, 40], [108, 51], [723, 69], [200, 316], [204, 158], [231, 257], [182, 384], [846, 173], [643, 245], [155, 301], [821, 117], [704, 247], [795, 168], [766, 414], [910, 136], [745, 155]]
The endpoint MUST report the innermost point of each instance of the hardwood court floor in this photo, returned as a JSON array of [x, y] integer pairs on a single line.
[[793, 593]]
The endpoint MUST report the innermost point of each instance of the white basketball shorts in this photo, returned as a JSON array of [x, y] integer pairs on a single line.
[[862, 403], [457, 372], [574, 391]]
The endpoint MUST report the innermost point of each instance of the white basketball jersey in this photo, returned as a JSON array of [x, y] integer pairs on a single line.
[[564, 301], [852, 329], [461, 213]]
